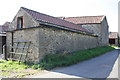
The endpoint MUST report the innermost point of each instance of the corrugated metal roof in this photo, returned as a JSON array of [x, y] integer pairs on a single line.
[[53, 20], [113, 35], [84, 19]]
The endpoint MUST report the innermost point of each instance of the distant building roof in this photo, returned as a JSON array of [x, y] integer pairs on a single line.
[[53, 20], [113, 35], [84, 19], [6, 24], [4, 27]]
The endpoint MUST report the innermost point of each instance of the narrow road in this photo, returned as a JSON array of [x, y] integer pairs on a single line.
[[99, 67]]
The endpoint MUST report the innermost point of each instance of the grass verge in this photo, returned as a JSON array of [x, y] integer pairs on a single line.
[[56, 60]]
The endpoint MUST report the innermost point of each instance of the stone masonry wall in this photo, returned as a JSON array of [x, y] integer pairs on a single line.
[[104, 32], [8, 41], [101, 30], [50, 41], [28, 21], [26, 35], [96, 29], [57, 41]]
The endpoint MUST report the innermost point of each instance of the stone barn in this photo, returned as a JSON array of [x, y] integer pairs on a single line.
[[95, 24], [50, 35]]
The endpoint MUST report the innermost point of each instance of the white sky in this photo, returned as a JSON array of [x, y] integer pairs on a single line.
[[67, 8]]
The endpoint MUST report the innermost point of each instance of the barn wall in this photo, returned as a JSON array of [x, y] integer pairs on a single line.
[[101, 29], [58, 41], [26, 35], [50, 41], [104, 32], [96, 29]]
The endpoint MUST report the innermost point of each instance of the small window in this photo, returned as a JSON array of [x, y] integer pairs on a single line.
[[20, 22]]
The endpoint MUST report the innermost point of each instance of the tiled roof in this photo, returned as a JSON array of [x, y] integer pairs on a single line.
[[53, 20], [113, 35], [84, 19]]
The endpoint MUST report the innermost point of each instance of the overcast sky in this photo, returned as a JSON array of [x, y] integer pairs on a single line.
[[67, 8]]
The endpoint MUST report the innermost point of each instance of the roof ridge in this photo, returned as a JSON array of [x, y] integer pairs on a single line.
[[35, 11], [85, 19], [85, 16], [48, 15]]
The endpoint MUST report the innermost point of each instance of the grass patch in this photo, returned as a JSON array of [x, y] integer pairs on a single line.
[[12, 65], [56, 60], [5, 74], [11, 68], [114, 46]]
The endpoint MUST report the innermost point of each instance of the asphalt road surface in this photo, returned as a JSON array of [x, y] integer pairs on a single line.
[[99, 67]]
